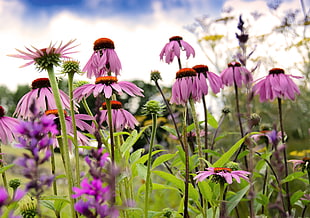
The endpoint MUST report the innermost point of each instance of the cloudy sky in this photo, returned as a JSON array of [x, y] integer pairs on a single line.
[[139, 29]]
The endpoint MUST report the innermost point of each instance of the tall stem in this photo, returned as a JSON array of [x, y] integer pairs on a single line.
[[75, 140], [109, 111], [53, 169], [206, 125], [186, 151], [196, 123], [3, 175], [68, 168], [149, 164], [284, 156]]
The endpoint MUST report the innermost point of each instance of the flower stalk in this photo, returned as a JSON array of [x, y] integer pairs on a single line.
[[148, 188], [65, 148]]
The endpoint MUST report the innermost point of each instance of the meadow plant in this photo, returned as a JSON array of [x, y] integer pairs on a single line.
[[115, 165]]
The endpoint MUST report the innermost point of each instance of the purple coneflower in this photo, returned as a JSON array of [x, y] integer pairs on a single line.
[[80, 123], [185, 87], [303, 164], [7, 127], [103, 60], [41, 93], [43, 58], [173, 48], [276, 85], [222, 174], [203, 75], [236, 74], [122, 119], [106, 85]]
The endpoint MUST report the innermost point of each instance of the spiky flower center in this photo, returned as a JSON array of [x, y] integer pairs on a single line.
[[114, 105], [201, 68], [47, 59], [234, 64], [276, 71], [106, 80], [186, 72], [175, 38], [2, 112], [54, 112], [222, 169], [40, 83], [103, 43]]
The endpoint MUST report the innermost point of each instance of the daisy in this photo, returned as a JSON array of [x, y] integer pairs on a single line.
[[173, 48], [81, 124], [106, 85], [185, 87], [46, 57], [276, 85], [222, 174], [41, 94], [121, 119], [7, 127], [104, 59], [204, 75], [236, 74]]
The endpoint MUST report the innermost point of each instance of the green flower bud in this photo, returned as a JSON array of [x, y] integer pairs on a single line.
[[153, 107], [155, 75], [28, 207], [14, 183], [225, 110], [232, 165], [71, 66], [254, 120], [79, 84]]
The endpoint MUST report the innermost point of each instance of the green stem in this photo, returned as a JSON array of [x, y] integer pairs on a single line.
[[53, 170], [198, 139], [75, 139], [186, 151], [149, 164], [222, 203], [284, 157], [206, 125], [68, 168], [3, 175], [109, 111]]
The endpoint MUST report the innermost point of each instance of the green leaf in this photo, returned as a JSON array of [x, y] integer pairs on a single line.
[[131, 140], [163, 158], [233, 201], [48, 204], [212, 121], [296, 196], [144, 158], [170, 130], [142, 170], [136, 155], [226, 156], [156, 186], [293, 176], [206, 190], [5, 168], [262, 199]]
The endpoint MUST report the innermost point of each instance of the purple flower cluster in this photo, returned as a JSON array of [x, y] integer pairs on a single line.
[[36, 137], [6, 200], [97, 189]]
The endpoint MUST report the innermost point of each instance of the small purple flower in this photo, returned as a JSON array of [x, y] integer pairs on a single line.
[[7, 128], [103, 60], [6, 200], [204, 75], [41, 93], [236, 74], [37, 135], [185, 87], [106, 85], [96, 190], [121, 119], [220, 173], [276, 85], [173, 49]]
